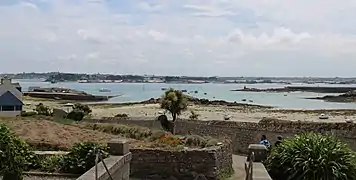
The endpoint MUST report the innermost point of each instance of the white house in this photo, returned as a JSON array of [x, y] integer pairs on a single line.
[[10, 98]]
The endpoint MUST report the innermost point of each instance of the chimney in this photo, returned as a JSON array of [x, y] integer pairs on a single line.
[[5, 80]]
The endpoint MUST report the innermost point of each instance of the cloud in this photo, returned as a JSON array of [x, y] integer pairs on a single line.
[[189, 37]]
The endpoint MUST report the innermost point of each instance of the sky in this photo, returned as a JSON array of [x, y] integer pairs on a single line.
[[185, 37]]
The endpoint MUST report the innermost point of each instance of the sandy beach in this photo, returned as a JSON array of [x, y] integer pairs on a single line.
[[206, 112]]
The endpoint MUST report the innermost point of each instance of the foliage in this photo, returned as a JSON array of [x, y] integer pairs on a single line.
[[42, 110], [135, 132], [81, 107], [175, 102], [312, 156], [76, 115], [170, 139], [82, 157], [28, 114], [14, 154], [193, 115], [199, 141], [158, 136], [51, 163]]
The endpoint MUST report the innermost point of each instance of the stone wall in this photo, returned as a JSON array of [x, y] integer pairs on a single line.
[[183, 165], [244, 133]]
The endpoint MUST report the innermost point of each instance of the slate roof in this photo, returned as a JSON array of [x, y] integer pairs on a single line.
[[8, 99]]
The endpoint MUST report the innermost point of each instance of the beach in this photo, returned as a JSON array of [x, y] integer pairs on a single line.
[[206, 112]]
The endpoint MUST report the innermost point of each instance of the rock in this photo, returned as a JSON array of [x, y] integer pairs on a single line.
[[59, 113]]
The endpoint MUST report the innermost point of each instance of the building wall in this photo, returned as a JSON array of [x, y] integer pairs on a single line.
[[9, 113]]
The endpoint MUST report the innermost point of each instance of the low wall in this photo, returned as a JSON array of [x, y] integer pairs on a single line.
[[244, 133], [183, 165], [118, 163]]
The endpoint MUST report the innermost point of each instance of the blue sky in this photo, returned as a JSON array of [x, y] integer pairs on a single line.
[[187, 37]]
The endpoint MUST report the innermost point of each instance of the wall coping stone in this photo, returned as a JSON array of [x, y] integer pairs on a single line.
[[260, 172]]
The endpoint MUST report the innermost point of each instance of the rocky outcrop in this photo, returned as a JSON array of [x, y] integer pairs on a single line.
[[347, 97], [315, 89]]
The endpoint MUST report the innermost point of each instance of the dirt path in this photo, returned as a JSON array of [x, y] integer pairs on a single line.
[[239, 167]]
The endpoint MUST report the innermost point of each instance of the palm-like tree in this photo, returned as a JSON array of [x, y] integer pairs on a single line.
[[175, 102]]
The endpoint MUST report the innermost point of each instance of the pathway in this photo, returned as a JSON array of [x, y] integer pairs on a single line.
[[239, 167]]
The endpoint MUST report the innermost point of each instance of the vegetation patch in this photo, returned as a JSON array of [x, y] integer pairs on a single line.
[[153, 138], [312, 156]]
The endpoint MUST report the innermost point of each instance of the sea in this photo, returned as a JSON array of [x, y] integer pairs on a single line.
[[134, 92]]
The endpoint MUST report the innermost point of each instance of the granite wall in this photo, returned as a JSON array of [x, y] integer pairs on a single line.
[[183, 165], [244, 133]]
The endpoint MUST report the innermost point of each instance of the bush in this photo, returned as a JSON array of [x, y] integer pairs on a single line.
[[15, 154], [82, 157], [28, 114], [42, 110], [312, 156], [193, 115], [76, 115], [81, 107]]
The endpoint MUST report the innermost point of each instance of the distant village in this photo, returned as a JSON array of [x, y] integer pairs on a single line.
[[111, 78]]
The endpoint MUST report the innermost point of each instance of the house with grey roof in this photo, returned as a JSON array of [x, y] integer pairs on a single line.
[[10, 98]]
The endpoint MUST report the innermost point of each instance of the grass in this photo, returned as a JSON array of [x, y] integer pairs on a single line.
[[49, 135]]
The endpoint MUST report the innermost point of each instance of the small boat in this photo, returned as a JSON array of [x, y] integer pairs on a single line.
[[205, 93], [104, 90], [53, 81], [184, 90], [195, 91], [163, 89]]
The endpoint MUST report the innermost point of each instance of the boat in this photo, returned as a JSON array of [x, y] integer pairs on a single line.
[[184, 90], [53, 81], [163, 89], [104, 90], [195, 91]]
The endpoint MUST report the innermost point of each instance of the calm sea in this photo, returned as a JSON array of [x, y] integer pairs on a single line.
[[133, 92]]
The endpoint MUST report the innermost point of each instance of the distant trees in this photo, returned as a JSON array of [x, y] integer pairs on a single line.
[[312, 156], [175, 102]]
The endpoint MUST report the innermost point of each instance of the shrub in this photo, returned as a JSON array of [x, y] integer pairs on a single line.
[[14, 154], [76, 115], [81, 107], [42, 110], [193, 115], [82, 157], [195, 140], [170, 140], [312, 156], [51, 163], [28, 114]]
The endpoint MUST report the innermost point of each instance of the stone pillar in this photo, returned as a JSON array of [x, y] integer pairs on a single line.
[[259, 150], [118, 147]]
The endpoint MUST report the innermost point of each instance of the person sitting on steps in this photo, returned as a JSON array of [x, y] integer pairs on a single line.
[[264, 141]]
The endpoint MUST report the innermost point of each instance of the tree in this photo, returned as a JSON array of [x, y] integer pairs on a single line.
[[312, 156], [175, 102]]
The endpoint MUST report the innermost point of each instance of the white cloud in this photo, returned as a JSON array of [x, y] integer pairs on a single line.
[[189, 37]]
